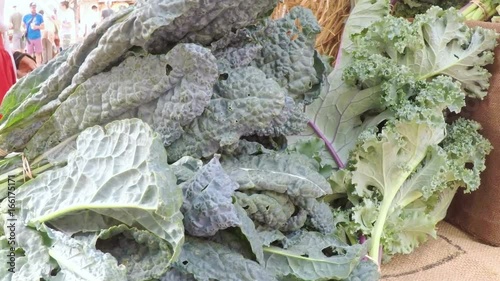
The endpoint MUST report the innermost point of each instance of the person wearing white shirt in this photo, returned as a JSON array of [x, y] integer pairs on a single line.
[[67, 24]]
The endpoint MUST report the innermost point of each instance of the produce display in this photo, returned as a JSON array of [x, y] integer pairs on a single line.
[[479, 10], [202, 140]]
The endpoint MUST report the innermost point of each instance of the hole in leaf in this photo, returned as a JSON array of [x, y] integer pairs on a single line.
[[469, 166], [185, 262], [223, 76], [246, 207], [304, 255], [267, 208], [168, 69], [329, 251], [54, 272]]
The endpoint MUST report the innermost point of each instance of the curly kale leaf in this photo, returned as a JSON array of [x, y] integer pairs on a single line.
[[391, 60], [466, 150], [208, 206], [243, 103], [406, 176], [173, 99]]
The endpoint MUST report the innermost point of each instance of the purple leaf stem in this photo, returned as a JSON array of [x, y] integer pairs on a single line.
[[362, 239], [329, 146]]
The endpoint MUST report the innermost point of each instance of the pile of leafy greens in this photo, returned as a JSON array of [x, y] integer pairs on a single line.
[[385, 120], [411, 8], [195, 140]]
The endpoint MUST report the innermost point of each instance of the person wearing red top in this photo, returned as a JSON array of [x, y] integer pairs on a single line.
[[7, 73]]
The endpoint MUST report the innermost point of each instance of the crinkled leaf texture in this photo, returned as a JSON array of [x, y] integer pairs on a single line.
[[207, 206], [243, 239], [366, 270], [35, 262], [393, 59], [405, 178], [31, 83], [144, 254], [151, 25], [293, 174], [208, 260], [335, 113], [313, 256], [286, 52], [244, 103], [45, 251], [78, 261], [30, 113], [117, 175], [166, 100], [155, 24], [185, 168], [280, 190]]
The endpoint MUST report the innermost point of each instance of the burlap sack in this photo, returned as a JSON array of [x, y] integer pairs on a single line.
[[453, 256], [478, 213]]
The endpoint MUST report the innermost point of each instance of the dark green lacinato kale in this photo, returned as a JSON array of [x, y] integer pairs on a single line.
[[207, 260], [166, 101], [145, 108], [145, 255], [410, 8], [366, 270], [283, 49], [280, 191], [245, 102], [30, 84], [208, 206], [152, 25], [27, 115]]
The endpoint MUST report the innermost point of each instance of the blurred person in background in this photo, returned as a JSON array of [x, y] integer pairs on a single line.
[[16, 21], [94, 18], [33, 23], [48, 36], [91, 21], [7, 70], [108, 11], [67, 25], [24, 64]]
